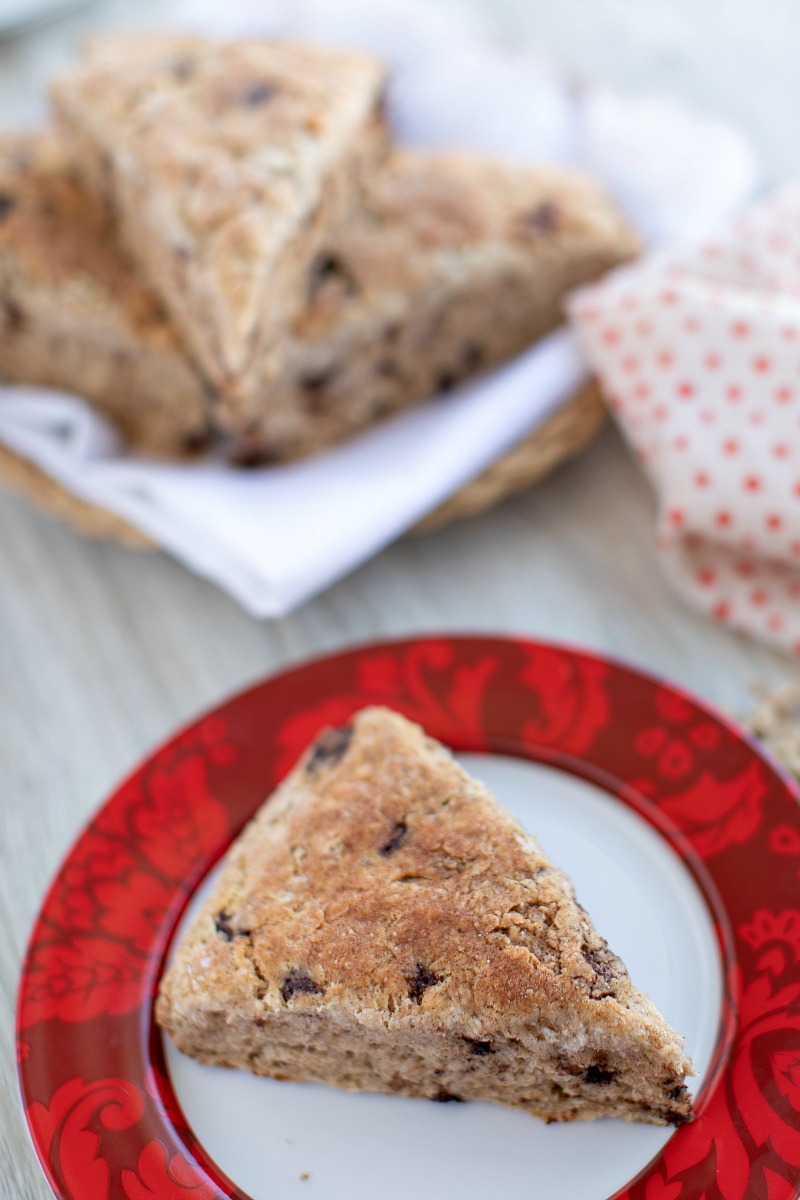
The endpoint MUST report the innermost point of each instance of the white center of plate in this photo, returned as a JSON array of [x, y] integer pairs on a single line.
[[281, 1141]]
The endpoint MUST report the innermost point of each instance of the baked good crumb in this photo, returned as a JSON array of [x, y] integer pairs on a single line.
[[384, 924]]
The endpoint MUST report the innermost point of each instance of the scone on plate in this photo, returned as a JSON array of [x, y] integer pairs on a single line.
[[74, 316], [453, 264], [384, 924], [226, 165]]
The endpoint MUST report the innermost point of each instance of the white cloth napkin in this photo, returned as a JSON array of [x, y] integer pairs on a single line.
[[699, 353], [273, 537]]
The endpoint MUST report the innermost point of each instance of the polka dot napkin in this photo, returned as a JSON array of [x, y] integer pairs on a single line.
[[698, 353]]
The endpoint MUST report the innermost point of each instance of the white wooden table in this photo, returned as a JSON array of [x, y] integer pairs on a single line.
[[104, 650]]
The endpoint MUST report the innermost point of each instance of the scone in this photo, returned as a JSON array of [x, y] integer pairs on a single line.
[[226, 166], [384, 924], [74, 316], [77, 316], [454, 264]]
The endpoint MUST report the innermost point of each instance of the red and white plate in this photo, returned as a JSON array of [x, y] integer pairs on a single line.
[[682, 840]]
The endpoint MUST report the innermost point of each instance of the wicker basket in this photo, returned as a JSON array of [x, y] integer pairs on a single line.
[[559, 438]]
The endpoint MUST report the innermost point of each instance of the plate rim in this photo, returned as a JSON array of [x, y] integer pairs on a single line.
[[185, 1175]]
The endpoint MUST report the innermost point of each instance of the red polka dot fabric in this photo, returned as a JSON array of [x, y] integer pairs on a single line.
[[698, 353]]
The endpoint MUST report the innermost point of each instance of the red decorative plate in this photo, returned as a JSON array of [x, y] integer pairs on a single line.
[[99, 1096]]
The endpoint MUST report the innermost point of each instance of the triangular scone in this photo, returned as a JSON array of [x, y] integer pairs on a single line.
[[454, 263], [384, 924], [439, 276], [225, 165], [74, 315]]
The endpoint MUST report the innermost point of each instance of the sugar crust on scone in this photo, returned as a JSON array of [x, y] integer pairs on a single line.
[[384, 924]]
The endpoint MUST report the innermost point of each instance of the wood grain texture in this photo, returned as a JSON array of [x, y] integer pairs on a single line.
[[103, 650]]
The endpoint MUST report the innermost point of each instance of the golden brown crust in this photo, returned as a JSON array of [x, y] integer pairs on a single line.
[[452, 264], [455, 198], [391, 320], [85, 323], [74, 315], [225, 165], [386, 895]]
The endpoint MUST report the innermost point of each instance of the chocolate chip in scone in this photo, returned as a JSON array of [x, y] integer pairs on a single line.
[[395, 839], [7, 204], [183, 68], [445, 1097], [607, 968], [671, 1117], [680, 1092], [13, 318], [259, 93], [327, 269], [599, 963], [314, 381], [249, 458], [541, 221], [388, 368], [297, 983], [472, 357], [420, 981], [315, 385], [222, 924], [598, 1075], [329, 748], [446, 381], [477, 1047], [196, 441]]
